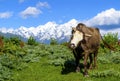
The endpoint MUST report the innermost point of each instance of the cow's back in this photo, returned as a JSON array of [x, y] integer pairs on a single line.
[[93, 41]]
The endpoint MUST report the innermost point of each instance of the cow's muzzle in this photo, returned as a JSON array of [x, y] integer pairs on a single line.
[[72, 46]]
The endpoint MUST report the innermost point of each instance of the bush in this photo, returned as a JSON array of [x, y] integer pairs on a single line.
[[15, 40], [106, 73], [58, 55], [65, 44], [53, 41], [109, 58], [31, 41], [111, 39], [116, 59], [22, 44]]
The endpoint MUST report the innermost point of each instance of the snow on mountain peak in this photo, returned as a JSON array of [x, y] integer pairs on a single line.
[[50, 24], [73, 21], [46, 31]]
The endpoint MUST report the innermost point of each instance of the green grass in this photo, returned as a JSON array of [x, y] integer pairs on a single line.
[[54, 63], [41, 71], [40, 62]]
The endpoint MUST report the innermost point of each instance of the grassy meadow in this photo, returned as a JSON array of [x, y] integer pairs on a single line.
[[33, 61]]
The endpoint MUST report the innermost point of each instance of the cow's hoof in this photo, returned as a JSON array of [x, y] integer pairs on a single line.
[[90, 68], [77, 69], [95, 67], [86, 75]]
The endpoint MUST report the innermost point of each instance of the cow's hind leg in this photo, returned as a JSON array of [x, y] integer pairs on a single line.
[[95, 59], [85, 64], [91, 61]]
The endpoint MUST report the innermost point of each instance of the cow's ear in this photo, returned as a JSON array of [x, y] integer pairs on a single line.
[[88, 35]]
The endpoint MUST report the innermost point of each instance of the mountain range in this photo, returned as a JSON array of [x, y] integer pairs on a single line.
[[44, 33], [60, 32]]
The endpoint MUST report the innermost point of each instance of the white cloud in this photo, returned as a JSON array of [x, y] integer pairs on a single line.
[[107, 17], [4, 15], [42, 4], [30, 11], [34, 11], [5, 30]]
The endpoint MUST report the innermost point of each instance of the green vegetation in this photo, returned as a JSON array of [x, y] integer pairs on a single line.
[[31, 41], [53, 41], [111, 39], [20, 61]]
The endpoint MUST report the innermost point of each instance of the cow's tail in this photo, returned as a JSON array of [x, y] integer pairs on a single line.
[[107, 45]]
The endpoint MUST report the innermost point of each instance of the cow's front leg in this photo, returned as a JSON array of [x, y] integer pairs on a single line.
[[85, 64], [76, 61], [77, 64]]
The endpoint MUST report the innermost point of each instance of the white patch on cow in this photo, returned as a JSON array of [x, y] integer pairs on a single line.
[[77, 37]]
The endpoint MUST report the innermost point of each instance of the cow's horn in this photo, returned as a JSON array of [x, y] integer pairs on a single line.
[[88, 35]]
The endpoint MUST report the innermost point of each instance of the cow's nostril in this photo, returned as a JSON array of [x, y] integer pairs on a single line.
[[72, 45]]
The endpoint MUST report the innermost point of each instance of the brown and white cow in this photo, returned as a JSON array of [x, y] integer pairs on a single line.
[[85, 42]]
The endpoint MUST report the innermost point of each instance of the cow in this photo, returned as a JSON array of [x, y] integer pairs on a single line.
[[85, 42]]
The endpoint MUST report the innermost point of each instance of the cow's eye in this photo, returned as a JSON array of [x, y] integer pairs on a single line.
[[73, 31], [78, 28]]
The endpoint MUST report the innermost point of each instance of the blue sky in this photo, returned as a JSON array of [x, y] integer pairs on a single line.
[[28, 13]]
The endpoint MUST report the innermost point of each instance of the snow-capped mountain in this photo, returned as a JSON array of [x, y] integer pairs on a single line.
[[60, 32], [44, 33]]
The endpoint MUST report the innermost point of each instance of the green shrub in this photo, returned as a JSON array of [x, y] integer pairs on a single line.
[[53, 41], [65, 43], [109, 57], [59, 54], [111, 38], [31, 41], [116, 59], [106, 73], [15, 40]]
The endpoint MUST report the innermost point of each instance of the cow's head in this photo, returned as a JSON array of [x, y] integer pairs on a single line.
[[77, 37]]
